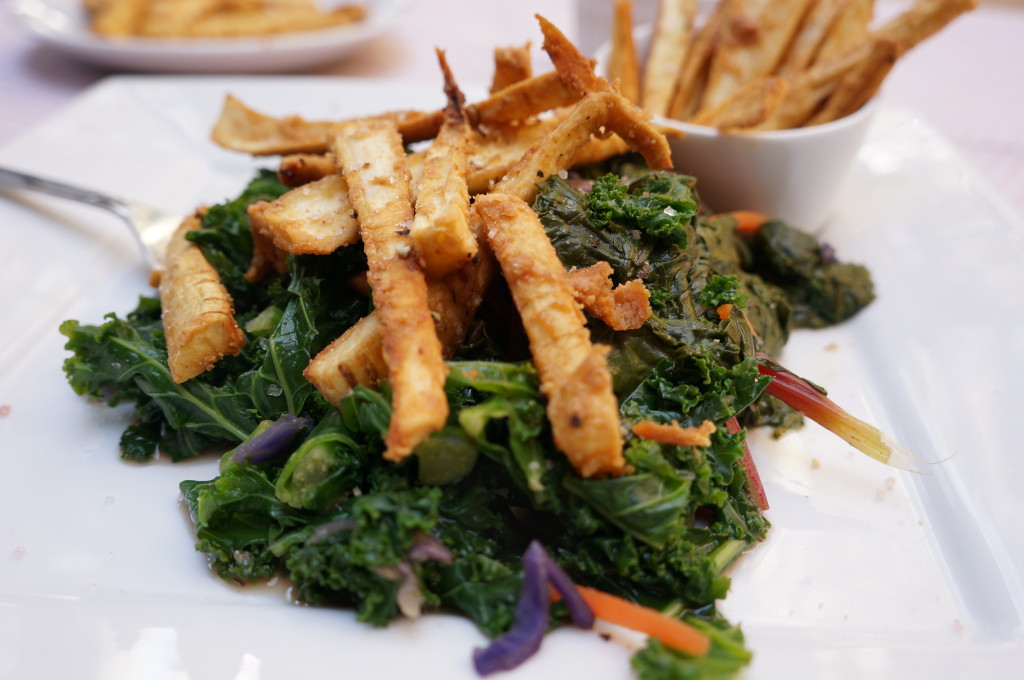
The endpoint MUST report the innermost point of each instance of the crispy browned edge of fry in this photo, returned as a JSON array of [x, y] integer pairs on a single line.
[[297, 169], [440, 230], [670, 42], [372, 160], [751, 45], [690, 86], [512, 64], [198, 313], [623, 62], [624, 307], [582, 407], [748, 107]]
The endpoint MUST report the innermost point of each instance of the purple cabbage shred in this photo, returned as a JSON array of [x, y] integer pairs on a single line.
[[273, 442], [533, 612]]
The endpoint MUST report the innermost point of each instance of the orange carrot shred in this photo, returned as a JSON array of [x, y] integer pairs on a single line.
[[668, 630], [747, 221]]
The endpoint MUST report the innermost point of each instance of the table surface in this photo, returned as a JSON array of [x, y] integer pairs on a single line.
[[964, 81]]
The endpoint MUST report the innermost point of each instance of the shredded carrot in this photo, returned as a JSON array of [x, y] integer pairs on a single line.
[[668, 630], [674, 433], [747, 221], [724, 311]]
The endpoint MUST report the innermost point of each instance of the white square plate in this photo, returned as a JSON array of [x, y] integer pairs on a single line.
[[867, 572]]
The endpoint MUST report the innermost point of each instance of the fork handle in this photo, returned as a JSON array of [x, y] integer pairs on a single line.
[[13, 179]]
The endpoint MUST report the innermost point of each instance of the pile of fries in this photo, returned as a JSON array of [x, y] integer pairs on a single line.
[[213, 18], [767, 65], [431, 251]]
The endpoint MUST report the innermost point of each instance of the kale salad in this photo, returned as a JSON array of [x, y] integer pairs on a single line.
[[304, 492]]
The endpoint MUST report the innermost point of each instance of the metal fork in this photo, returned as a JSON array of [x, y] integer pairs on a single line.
[[152, 228]]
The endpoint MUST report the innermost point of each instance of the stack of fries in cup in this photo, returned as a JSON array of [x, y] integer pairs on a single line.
[[213, 18], [767, 64], [431, 252]]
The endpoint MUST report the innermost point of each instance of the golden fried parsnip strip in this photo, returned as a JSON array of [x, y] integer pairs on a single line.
[[809, 89], [241, 128], [669, 44], [860, 83], [923, 20], [597, 112], [749, 106], [675, 433], [625, 307], [511, 65], [173, 18], [302, 168], [372, 160], [315, 218], [582, 408], [623, 63], [694, 75], [119, 17], [198, 313], [575, 70], [755, 37], [848, 30], [265, 254], [355, 358], [440, 230], [260, 21], [809, 37]]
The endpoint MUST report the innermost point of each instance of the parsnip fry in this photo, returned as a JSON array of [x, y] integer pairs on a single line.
[[198, 313], [848, 30], [574, 376], [623, 63], [694, 75], [810, 36], [511, 65], [315, 218], [923, 20], [241, 128], [860, 84], [808, 90], [597, 112], [355, 358], [372, 160], [626, 307], [441, 230], [669, 46], [119, 17], [302, 168], [749, 106], [575, 70], [755, 36]]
